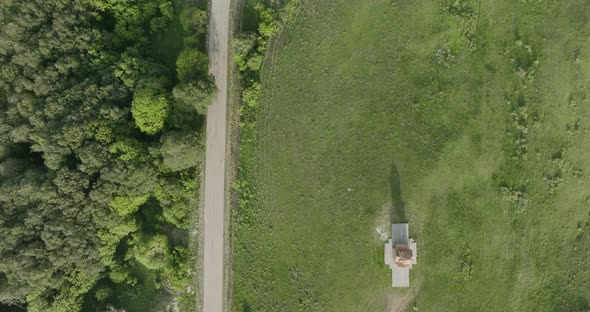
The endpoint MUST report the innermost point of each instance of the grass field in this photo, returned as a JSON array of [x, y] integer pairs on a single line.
[[471, 118]]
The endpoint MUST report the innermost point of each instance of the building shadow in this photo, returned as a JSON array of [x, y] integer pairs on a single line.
[[397, 213]]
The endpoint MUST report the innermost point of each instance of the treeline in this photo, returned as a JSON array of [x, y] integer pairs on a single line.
[[99, 149]]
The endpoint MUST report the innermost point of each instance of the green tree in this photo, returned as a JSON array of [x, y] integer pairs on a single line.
[[243, 46], [149, 109], [130, 68], [180, 150], [103, 293], [177, 195], [194, 96], [126, 205], [152, 252], [178, 270], [191, 64], [194, 21]]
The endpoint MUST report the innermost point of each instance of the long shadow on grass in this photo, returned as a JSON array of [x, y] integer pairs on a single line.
[[397, 213]]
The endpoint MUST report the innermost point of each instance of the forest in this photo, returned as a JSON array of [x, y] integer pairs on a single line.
[[101, 111]]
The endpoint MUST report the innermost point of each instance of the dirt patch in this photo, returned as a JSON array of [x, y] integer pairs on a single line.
[[403, 302], [399, 303]]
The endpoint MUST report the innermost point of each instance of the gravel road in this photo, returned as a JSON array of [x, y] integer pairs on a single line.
[[214, 187]]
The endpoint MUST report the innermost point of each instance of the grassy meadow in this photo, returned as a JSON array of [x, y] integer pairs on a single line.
[[468, 119]]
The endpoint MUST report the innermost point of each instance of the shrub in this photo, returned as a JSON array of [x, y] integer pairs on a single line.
[[460, 8], [251, 95], [443, 56], [524, 60], [267, 24]]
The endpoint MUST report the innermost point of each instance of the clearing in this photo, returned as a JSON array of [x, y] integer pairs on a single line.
[[471, 118]]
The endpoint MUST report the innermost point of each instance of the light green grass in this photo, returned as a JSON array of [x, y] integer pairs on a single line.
[[353, 89]]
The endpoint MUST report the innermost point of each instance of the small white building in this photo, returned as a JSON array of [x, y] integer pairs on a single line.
[[400, 255]]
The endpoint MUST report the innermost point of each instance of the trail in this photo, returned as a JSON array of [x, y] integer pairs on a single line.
[[214, 187]]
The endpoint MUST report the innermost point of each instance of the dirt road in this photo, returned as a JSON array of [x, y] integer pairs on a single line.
[[214, 187]]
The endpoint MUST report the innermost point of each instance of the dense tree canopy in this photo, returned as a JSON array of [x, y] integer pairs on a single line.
[[81, 99]]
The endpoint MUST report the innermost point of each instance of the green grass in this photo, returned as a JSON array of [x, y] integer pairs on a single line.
[[249, 17], [353, 91]]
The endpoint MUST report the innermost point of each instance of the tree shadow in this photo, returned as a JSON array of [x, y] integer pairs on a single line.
[[397, 213]]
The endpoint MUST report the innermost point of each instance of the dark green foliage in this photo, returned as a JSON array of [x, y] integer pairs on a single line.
[[194, 21], [177, 194], [195, 90], [250, 47], [103, 293], [178, 150], [191, 64], [178, 270], [45, 235], [193, 96], [83, 102]]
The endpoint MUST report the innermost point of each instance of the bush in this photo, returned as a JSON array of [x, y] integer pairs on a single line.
[[460, 8], [444, 56], [251, 95]]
